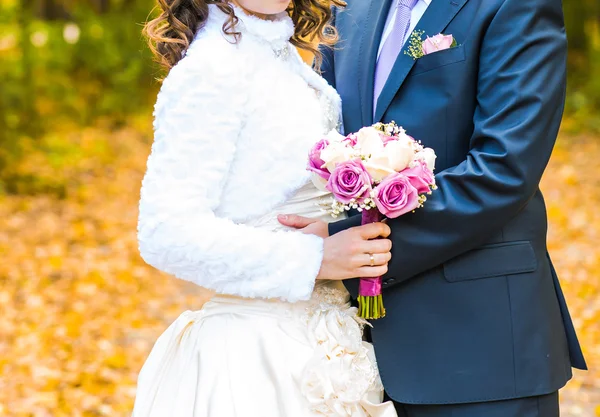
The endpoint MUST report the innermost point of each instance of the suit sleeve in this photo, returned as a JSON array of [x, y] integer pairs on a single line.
[[198, 118], [520, 96]]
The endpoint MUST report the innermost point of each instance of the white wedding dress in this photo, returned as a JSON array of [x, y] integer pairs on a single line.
[[227, 158], [245, 357]]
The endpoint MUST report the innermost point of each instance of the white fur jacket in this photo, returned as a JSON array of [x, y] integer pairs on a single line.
[[233, 126]]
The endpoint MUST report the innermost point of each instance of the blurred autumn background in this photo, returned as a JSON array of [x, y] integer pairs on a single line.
[[79, 309]]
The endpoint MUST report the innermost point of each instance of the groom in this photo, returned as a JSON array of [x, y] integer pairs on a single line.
[[477, 325]]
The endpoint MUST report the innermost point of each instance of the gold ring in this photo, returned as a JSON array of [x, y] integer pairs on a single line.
[[372, 259]]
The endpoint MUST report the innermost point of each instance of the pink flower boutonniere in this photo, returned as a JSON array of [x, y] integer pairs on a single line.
[[419, 47]]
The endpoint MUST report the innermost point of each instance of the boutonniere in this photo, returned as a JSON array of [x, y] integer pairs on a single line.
[[419, 47]]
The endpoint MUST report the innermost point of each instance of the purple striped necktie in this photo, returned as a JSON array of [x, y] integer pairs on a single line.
[[392, 46]]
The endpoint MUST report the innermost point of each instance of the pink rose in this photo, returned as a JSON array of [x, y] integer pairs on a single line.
[[437, 43], [350, 180], [315, 163], [420, 177], [395, 196]]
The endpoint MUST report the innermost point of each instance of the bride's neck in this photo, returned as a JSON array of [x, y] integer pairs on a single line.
[[252, 13]]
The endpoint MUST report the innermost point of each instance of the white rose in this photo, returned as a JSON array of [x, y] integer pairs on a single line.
[[400, 153], [369, 141], [378, 167], [334, 136], [395, 157], [428, 156], [319, 182], [335, 153]]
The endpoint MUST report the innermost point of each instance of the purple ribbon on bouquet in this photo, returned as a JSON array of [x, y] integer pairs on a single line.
[[369, 290], [370, 287]]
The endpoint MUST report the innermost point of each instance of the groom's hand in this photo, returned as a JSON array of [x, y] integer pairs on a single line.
[[305, 225], [348, 254]]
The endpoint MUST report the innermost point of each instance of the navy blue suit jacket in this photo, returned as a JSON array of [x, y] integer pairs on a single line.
[[475, 311]]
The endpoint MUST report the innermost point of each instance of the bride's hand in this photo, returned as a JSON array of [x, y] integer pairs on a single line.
[[356, 252], [352, 253]]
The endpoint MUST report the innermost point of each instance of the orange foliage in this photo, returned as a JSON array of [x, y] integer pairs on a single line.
[[572, 192], [81, 310]]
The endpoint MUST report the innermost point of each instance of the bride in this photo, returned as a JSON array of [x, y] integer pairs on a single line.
[[234, 121]]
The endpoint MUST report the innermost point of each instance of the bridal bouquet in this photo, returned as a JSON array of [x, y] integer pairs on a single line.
[[379, 171]]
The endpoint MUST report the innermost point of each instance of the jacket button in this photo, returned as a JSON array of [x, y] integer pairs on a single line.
[[385, 283], [391, 280]]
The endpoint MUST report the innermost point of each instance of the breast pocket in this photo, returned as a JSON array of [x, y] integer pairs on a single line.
[[439, 59], [495, 260]]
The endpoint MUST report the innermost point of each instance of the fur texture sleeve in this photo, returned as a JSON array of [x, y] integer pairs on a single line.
[[198, 118]]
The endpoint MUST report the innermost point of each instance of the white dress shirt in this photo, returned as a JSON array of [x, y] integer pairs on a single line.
[[416, 14]]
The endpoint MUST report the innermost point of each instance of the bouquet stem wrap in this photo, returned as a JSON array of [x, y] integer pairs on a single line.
[[370, 301]]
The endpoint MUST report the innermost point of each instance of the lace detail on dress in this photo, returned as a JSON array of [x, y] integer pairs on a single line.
[[330, 112], [327, 296], [342, 371]]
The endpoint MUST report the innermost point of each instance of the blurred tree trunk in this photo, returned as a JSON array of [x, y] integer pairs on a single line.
[[101, 6], [575, 10], [51, 10], [24, 18]]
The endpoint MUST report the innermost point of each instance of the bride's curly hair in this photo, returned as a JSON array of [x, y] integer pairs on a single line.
[[170, 34]]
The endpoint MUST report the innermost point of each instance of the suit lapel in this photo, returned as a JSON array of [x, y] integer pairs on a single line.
[[437, 16], [369, 45]]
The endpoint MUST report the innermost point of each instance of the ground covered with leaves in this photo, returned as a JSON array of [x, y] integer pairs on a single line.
[[81, 310]]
